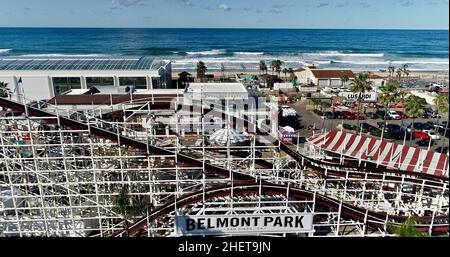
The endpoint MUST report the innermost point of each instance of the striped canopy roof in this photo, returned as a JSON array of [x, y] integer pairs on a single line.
[[221, 137], [382, 152]]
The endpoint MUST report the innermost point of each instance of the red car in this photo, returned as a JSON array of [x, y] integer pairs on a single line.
[[421, 135], [402, 115], [348, 115]]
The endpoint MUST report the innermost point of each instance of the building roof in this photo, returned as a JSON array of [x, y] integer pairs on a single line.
[[299, 69], [216, 88], [326, 74], [391, 155], [80, 63]]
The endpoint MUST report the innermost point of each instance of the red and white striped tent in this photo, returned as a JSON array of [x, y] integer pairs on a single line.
[[382, 152]]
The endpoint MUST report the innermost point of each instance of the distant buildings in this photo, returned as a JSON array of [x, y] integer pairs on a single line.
[[324, 78], [47, 77]]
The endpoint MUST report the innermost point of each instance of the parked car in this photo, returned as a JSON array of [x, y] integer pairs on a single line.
[[348, 115], [393, 115], [373, 115], [437, 125], [432, 134], [444, 131], [366, 127], [402, 115], [393, 127], [400, 135], [328, 115], [441, 149], [335, 90], [425, 115], [338, 115], [381, 113], [422, 126], [430, 113], [406, 127], [421, 135], [425, 142]]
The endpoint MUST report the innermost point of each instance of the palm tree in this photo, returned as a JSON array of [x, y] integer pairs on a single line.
[[273, 66], [3, 88], [402, 97], [399, 74], [361, 84], [201, 70], [415, 108], [122, 205], [344, 79], [389, 94], [405, 70], [285, 72], [442, 103], [406, 229], [276, 66], [391, 71], [263, 67]]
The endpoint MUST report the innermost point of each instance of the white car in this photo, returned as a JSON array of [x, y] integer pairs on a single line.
[[431, 134], [393, 115], [335, 90]]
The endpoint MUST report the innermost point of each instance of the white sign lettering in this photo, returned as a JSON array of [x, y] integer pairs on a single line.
[[366, 97], [243, 224]]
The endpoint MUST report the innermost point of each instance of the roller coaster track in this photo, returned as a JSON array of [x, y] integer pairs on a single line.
[[309, 162], [375, 219], [357, 212]]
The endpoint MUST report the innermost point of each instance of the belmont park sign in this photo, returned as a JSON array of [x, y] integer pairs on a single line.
[[243, 224]]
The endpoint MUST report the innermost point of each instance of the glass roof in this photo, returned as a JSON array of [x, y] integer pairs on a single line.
[[84, 63]]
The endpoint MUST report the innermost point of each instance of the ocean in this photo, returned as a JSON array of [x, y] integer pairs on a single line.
[[371, 50]]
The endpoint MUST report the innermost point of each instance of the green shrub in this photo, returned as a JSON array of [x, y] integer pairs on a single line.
[[377, 133], [318, 112], [350, 127]]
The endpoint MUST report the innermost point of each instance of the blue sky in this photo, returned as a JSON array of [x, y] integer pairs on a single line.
[[411, 14]]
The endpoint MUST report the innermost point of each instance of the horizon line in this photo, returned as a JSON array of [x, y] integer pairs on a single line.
[[274, 28]]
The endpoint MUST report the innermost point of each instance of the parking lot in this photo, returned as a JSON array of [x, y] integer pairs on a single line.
[[308, 118]]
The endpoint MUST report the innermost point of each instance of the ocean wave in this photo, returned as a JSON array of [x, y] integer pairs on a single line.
[[210, 52], [2, 51], [249, 53], [344, 54], [64, 55], [421, 62], [361, 62]]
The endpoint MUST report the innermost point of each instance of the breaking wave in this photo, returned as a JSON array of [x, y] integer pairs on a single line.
[[2, 51], [210, 52]]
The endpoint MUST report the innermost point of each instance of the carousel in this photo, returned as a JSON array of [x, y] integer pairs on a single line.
[[225, 135]]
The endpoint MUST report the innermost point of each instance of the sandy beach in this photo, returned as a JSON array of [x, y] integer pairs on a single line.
[[426, 76]]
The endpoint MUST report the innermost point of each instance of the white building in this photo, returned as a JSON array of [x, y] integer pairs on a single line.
[[47, 77], [324, 78], [215, 92]]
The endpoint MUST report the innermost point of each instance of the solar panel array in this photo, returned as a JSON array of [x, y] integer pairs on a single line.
[[85, 63]]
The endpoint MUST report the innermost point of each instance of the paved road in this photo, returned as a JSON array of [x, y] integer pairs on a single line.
[[308, 118]]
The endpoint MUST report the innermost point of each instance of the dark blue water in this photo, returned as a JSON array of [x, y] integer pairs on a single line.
[[241, 48]]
